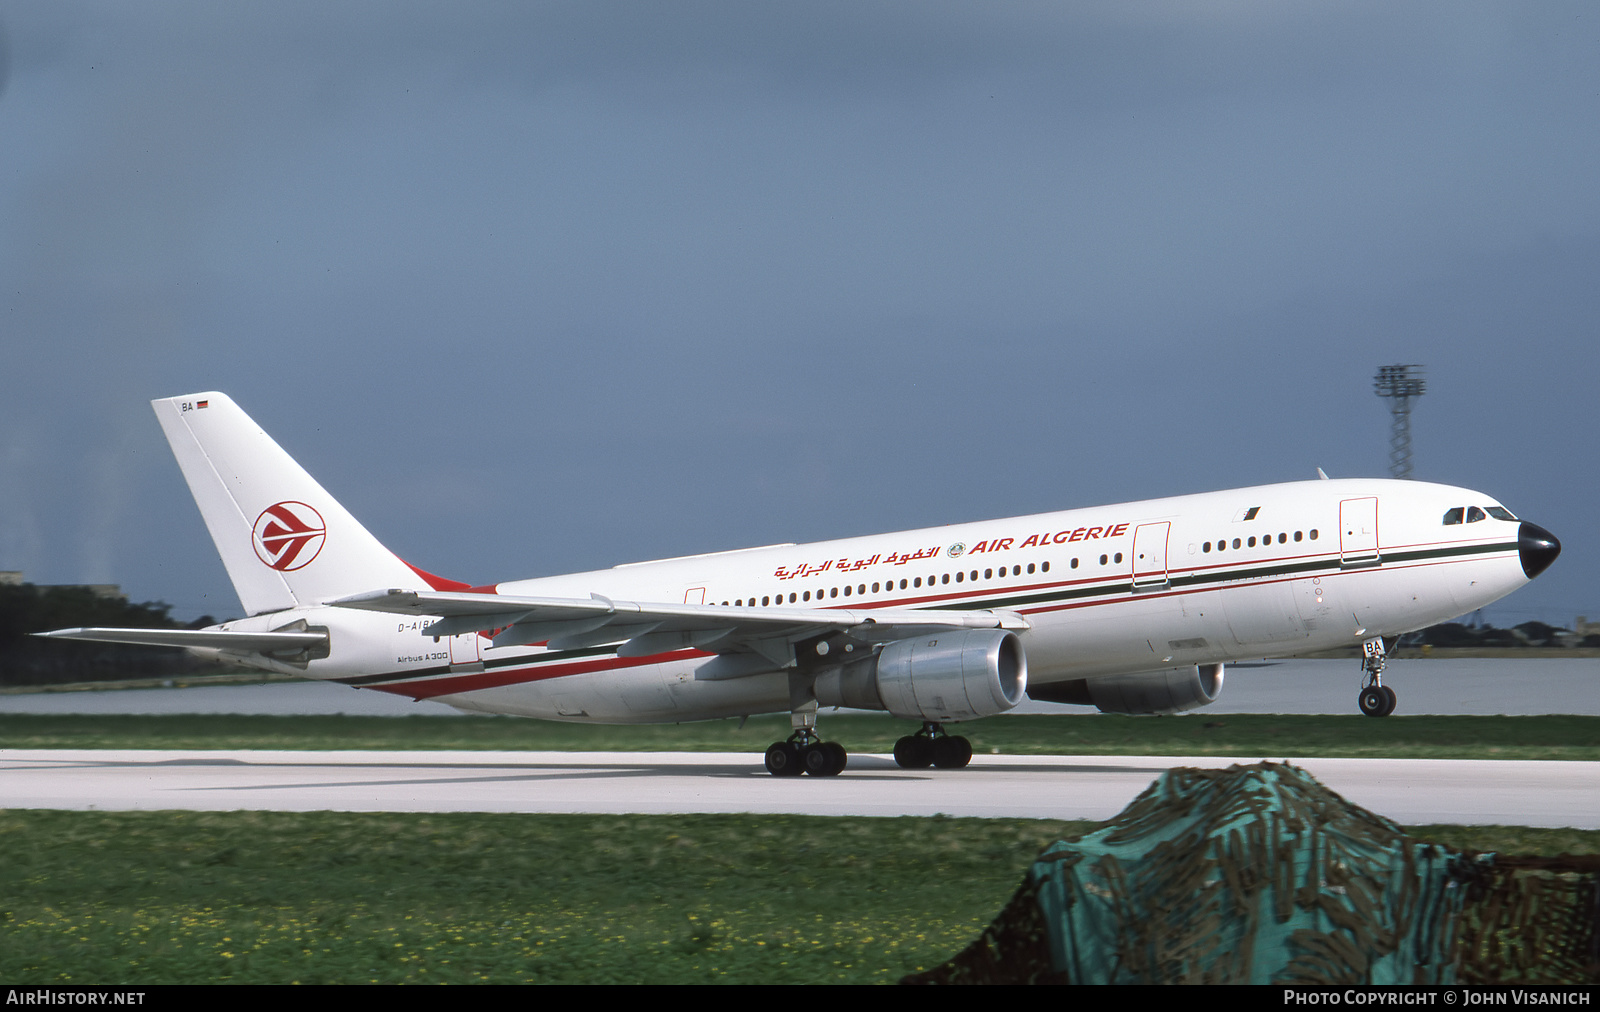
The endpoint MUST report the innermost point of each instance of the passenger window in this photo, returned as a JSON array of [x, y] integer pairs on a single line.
[[1454, 516]]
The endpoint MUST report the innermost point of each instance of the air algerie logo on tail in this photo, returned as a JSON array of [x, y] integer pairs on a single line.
[[289, 535]]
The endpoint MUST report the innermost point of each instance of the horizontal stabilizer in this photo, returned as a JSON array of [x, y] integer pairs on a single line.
[[268, 643]]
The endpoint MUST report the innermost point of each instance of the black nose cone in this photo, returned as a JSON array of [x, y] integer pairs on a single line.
[[1537, 547]]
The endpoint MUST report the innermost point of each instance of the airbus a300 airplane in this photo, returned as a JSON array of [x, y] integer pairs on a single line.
[[1133, 608]]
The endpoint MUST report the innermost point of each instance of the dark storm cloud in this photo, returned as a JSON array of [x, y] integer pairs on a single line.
[[542, 287]]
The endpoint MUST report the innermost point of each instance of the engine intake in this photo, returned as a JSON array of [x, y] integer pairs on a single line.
[[957, 675], [1170, 691]]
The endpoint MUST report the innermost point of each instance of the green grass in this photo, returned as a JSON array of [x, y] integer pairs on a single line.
[[321, 897], [1244, 735], [260, 897]]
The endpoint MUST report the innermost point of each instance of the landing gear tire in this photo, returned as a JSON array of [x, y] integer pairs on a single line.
[[913, 752], [1377, 701], [841, 758], [951, 752], [824, 759], [784, 759]]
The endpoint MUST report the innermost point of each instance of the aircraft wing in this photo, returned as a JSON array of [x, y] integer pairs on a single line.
[[748, 640]]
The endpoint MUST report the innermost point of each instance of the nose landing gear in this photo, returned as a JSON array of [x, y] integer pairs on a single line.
[[1376, 699]]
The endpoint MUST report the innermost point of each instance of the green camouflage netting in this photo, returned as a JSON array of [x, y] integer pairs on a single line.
[[1260, 874]]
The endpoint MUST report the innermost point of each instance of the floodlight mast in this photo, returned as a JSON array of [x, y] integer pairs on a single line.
[[1399, 384]]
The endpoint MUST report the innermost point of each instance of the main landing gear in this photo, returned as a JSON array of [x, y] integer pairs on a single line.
[[805, 753], [931, 746], [1376, 699]]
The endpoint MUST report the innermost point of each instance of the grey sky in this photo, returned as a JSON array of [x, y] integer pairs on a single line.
[[542, 287]]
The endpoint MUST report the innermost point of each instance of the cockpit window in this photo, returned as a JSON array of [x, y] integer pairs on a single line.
[[1500, 513], [1474, 514], [1454, 516]]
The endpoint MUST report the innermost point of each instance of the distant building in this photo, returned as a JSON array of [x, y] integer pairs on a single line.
[[109, 591]]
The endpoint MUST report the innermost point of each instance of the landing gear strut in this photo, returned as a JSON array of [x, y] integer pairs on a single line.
[[804, 752], [931, 746], [1376, 699]]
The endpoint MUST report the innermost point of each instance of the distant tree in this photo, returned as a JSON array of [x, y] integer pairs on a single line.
[[29, 660], [1451, 634]]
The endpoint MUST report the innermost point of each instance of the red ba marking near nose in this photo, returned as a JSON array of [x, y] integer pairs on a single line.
[[288, 535]]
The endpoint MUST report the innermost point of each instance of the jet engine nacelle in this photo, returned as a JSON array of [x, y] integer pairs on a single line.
[[952, 675], [1171, 691]]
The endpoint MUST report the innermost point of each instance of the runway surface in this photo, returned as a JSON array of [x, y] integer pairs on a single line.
[[1409, 791]]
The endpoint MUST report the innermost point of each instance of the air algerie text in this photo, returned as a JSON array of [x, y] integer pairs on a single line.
[[1047, 538], [988, 545]]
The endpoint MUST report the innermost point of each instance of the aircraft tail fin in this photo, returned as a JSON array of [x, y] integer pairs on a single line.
[[283, 539]]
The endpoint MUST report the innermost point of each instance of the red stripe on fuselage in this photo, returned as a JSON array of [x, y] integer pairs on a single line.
[[428, 688]]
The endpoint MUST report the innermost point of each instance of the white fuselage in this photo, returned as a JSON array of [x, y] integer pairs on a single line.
[[1113, 590]]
